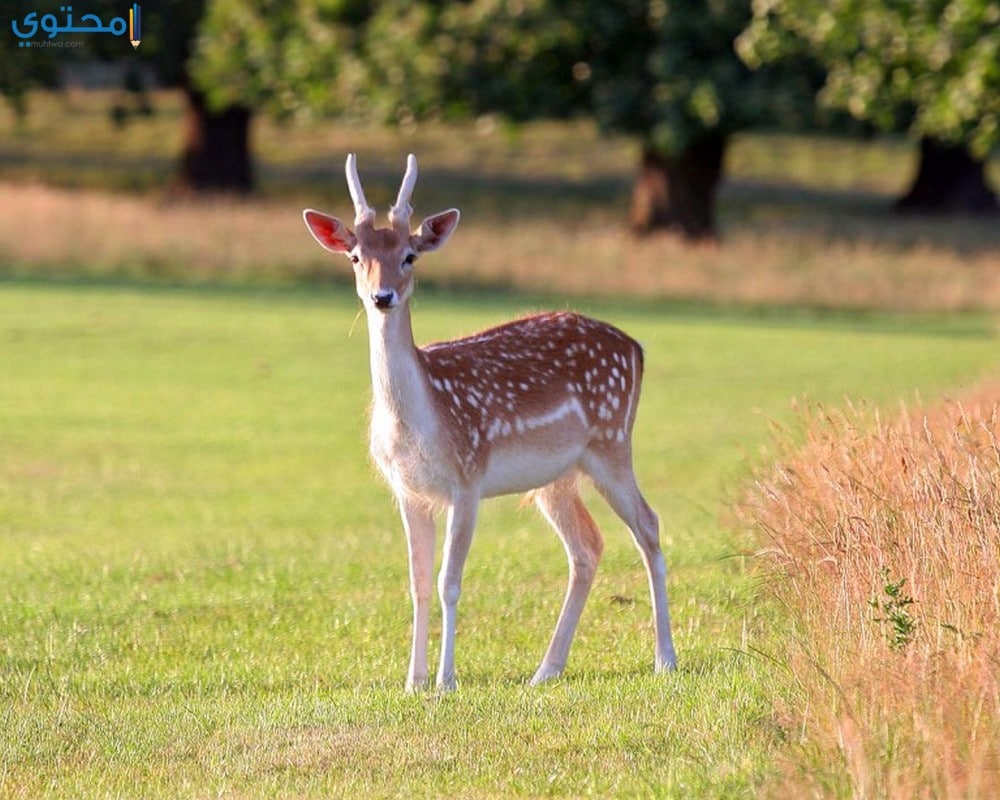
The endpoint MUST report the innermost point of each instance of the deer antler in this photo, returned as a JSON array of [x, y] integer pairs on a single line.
[[399, 214], [362, 211]]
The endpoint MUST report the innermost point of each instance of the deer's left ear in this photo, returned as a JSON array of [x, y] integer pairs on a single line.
[[329, 231], [434, 231]]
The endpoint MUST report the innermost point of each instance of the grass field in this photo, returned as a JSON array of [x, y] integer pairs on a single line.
[[805, 220], [204, 586]]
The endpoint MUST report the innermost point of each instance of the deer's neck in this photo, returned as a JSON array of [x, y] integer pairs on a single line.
[[399, 384]]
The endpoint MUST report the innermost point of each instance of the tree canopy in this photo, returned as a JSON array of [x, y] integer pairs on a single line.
[[666, 72], [276, 57], [931, 67], [431, 58]]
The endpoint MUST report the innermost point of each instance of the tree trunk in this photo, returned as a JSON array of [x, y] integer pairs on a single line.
[[216, 155], [949, 181], [677, 193]]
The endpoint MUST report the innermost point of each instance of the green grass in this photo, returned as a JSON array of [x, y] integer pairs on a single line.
[[203, 586]]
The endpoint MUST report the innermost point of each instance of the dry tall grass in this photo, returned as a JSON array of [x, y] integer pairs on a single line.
[[49, 230], [885, 540], [805, 220]]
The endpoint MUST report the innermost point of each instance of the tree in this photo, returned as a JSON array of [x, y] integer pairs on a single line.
[[932, 68], [663, 72], [451, 60], [667, 73], [215, 152], [274, 57], [231, 58]]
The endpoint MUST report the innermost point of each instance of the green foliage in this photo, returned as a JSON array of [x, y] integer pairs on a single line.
[[168, 33], [663, 71], [931, 67], [448, 59], [666, 72], [168, 28], [895, 610], [273, 56]]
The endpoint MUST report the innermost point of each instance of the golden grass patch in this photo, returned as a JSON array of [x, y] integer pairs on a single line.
[[884, 541], [47, 230]]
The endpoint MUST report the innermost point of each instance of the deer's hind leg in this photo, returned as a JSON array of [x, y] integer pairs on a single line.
[[562, 506], [614, 477]]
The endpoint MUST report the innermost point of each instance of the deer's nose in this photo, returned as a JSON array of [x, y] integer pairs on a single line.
[[384, 300]]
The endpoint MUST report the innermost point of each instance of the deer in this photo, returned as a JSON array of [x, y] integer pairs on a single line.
[[522, 408]]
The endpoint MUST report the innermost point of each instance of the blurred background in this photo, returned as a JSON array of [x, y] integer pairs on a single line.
[[775, 152]]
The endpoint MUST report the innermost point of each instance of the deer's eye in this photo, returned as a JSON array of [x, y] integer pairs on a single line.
[[410, 258], [355, 258]]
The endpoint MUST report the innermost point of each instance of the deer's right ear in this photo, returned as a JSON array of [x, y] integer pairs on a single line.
[[329, 231]]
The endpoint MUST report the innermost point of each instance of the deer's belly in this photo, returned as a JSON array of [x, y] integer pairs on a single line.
[[515, 470]]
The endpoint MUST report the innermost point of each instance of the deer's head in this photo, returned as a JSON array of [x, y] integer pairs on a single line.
[[382, 257]]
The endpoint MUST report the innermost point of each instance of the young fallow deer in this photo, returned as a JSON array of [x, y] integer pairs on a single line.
[[523, 407]]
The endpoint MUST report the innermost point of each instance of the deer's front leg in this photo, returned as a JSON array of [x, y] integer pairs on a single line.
[[419, 526], [461, 524]]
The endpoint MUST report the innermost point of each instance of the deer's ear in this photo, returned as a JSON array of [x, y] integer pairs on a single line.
[[329, 231], [434, 231]]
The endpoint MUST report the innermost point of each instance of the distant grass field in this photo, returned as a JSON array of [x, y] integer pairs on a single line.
[[203, 586], [805, 220]]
